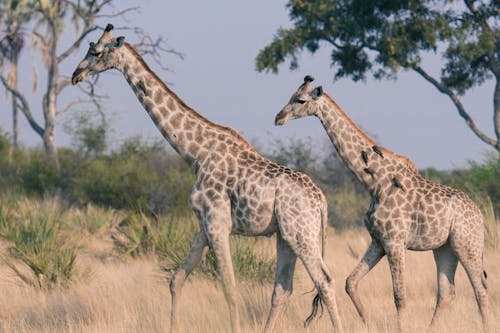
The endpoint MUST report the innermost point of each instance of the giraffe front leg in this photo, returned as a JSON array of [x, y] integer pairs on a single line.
[[396, 257], [218, 230], [371, 257], [198, 249], [283, 283]]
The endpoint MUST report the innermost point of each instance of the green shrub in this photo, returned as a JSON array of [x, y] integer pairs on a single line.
[[94, 219], [485, 177], [347, 207], [248, 263], [117, 183], [170, 238], [38, 174], [38, 242]]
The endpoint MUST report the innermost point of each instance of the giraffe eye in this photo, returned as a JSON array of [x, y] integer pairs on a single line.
[[300, 101], [95, 53]]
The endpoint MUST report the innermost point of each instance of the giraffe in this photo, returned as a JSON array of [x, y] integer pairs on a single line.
[[237, 191], [407, 211]]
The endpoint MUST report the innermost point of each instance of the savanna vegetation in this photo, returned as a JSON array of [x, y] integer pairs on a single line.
[[98, 242], [89, 235]]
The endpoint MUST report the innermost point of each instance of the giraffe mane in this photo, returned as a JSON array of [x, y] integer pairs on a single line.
[[403, 159], [225, 129]]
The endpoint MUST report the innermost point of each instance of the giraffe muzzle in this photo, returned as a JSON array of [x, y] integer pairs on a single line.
[[78, 76], [280, 119]]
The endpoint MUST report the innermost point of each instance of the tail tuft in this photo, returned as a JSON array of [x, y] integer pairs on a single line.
[[317, 303]]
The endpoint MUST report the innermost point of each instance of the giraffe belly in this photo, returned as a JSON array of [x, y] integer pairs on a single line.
[[426, 234], [253, 217]]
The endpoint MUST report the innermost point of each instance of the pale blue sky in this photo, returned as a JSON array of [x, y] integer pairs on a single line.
[[220, 40]]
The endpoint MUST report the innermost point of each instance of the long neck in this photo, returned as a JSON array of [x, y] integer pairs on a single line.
[[189, 133], [370, 163]]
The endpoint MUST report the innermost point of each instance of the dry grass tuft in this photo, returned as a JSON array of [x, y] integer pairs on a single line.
[[132, 296]]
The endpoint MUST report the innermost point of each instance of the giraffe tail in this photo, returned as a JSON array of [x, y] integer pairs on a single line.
[[317, 303]]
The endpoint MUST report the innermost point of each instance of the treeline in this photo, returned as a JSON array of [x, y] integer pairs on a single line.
[[151, 178]]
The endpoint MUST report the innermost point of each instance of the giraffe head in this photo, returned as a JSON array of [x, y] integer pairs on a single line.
[[101, 56], [304, 102]]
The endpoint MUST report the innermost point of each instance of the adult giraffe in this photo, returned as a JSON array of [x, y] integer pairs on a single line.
[[237, 191], [407, 211]]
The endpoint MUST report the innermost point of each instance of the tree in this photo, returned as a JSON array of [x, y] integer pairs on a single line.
[[383, 37], [89, 131], [49, 23], [14, 15]]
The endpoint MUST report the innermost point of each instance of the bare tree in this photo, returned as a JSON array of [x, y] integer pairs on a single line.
[[14, 15], [48, 24]]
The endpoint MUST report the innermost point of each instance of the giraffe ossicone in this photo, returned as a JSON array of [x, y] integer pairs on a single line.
[[237, 190], [407, 211]]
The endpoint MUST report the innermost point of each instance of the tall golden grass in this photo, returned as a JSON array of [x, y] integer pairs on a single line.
[[131, 295]]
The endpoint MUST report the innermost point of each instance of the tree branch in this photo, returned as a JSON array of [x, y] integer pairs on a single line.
[[456, 101], [75, 45], [152, 47], [484, 24], [122, 12], [25, 108], [75, 102]]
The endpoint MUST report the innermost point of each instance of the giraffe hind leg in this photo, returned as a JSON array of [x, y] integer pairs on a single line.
[[283, 284], [446, 263], [472, 261], [325, 285]]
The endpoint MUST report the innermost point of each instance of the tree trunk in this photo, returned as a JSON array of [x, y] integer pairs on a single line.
[[496, 112], [15, 111], [50, 99]]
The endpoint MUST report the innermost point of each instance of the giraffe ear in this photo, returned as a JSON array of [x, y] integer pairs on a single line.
[[317, 92], [119, 41]]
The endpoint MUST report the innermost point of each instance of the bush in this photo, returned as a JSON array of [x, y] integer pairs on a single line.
[[170, 238], [38, 242], [485, 177], [38, 174], [347, 207]]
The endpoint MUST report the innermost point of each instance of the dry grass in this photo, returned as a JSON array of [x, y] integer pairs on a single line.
[[132, 296]]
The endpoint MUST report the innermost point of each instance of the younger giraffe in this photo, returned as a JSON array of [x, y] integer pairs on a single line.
[[407, 211], [237, 191]]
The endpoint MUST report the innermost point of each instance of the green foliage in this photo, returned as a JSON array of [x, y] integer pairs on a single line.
[[170, 239], [95, 220], [139, 176], [89, 132], [383, 36], [248, 263], [485, 177], [347, 207], [116, 182], [37, 241], [39, 175], [4, 144]]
